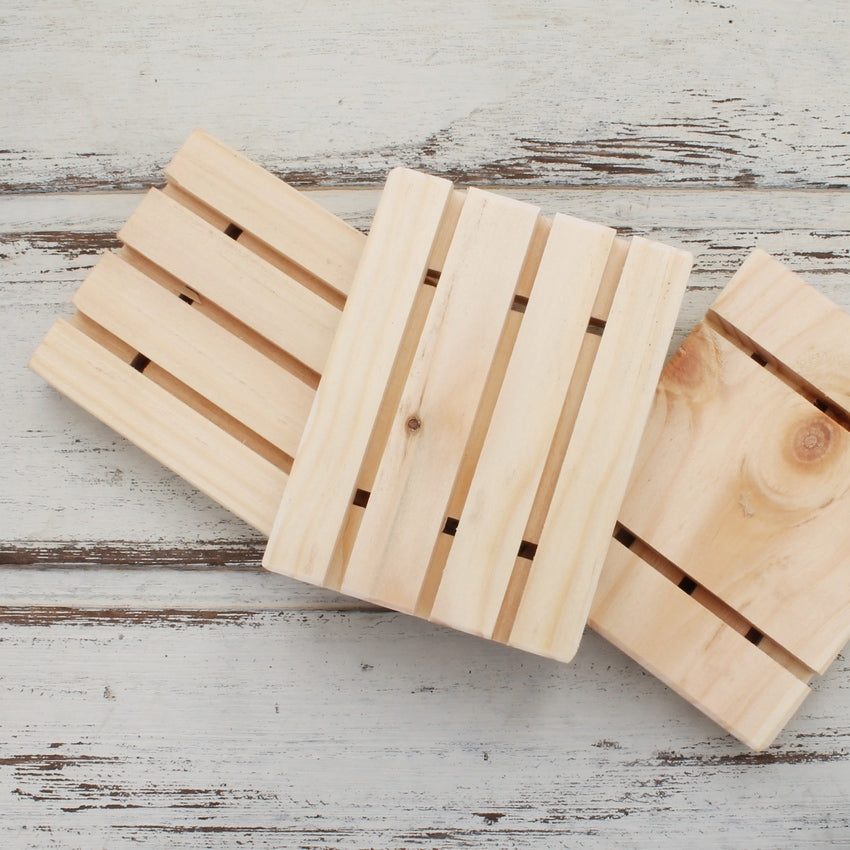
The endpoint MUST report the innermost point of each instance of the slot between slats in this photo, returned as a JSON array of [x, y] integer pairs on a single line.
[[693, 651], [176, 435], [261, 204], [196, 351], [224, 272], [520, 434]]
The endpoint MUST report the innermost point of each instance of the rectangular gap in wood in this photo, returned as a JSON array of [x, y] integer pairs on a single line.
[[796, 382], [221, 317], [484, 413], [546, 488], [183, 393], [250, 242], [712, 603]]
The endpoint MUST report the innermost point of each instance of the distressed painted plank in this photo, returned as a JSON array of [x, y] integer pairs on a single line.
[[181, 729], [135, 407], [435, 415], [594, 475], [325, 471], [501, 495], [490, 109], [237, 280], [212, 361]]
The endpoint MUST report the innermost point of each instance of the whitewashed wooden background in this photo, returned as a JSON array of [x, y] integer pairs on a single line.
[[157, 689]]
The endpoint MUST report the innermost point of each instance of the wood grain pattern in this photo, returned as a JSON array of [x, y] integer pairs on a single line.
[[195, 350], [694, 652], [159, 424], [324, 475], [254, 200], [804, 334], [524, 421], [435, 415], [769, 537], [216, 268], [332, 95], [601, 451], [728, 110]]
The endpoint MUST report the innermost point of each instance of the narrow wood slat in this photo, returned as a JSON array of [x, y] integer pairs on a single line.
[[792, 323], [601, 452], [693, 651], [206, 357], [324, 474], [770, 535], [520, 435], [263, 205], [407, 507], [168, 430], [220, 269]]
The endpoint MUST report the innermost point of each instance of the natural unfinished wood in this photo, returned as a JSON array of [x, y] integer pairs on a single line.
[[392, 269], [197, 351], [602, 449], [483, 554], [466, 402], [740, 497], [700, 658], [211, 324], [160, 424], [293, 226], [435, 415], [693, 651]]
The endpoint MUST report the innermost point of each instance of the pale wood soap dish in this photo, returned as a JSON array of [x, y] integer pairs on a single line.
[[728, 577], [473, 434]]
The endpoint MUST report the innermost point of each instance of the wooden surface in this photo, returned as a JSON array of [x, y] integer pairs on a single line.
[[157, 687]]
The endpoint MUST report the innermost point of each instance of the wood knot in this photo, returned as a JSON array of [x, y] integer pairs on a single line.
[[812, 440], [413, 424]]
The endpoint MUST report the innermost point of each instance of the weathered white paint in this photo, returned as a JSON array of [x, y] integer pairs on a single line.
[[156, 687], [300, 728], [568, 91]]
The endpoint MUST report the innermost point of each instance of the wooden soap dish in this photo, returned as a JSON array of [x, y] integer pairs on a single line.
[[477, 331], [471, 441]]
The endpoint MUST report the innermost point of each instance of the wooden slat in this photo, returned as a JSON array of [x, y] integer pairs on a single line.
[[691, 650], [520, 435], [206, 357], [602, 449], [168, 430], [220, 269], [327, 464], [770, 535], [263, 205], [407, 507], [792, 323]]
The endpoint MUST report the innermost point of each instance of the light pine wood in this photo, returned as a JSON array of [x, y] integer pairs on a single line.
[[770, 536], [601, 451], [218, 269], [435, 415], [195, 350], [272, 211], [217, 732], [172, 432], [331, 454], [802, 332], [390, 542], [522, 428], [694, 652]]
